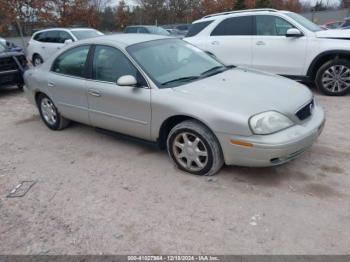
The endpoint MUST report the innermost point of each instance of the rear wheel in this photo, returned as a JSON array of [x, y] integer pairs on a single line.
[[37, 60], [50, 115], [333, 78], [194, 149]]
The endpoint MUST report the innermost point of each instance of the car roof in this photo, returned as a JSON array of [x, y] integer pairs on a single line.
[[64, 29], [124, 40], [239, 13]]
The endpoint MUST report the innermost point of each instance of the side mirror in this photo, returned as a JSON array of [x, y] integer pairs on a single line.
[[68, 41], [293, 32], [127, 80]]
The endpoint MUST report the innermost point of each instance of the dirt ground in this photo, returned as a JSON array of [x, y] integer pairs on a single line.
[[98, 193]]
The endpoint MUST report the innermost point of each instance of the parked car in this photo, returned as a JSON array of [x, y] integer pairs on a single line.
[[45, 43], [333, 24], [165, 90], [279, 42], [10, 46], [12, 66], [181, 28], [175, 33], [345, 24], [146, 29]]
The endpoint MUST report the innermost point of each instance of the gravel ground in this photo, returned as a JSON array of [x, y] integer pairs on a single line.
[[98, 193]]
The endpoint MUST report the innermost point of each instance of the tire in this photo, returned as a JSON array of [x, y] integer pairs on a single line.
[[20, 86], [200, 144], [50, 115], [333, 77], [37, 60]]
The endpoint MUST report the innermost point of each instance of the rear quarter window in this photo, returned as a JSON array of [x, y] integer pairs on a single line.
[[242, 25], [196, 28]]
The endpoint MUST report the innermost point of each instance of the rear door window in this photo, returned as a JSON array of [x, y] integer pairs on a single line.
[[242, 25], [52, 37], [41, 37], [72, 62]]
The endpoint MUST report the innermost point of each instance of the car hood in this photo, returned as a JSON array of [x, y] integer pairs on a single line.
[[334, 33], [247, 92], [9, 53]]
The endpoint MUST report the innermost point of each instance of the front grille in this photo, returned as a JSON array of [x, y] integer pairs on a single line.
[[7, 63], [306, 111], [22, 60]]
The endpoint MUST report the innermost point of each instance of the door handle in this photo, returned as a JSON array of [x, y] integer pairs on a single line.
[[260, 43], [95, 93], [215, 43], [51, 84], [43, 47]]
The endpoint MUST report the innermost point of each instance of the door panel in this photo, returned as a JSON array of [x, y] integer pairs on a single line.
[[67, 83], [69, 95], [232, 50], [125, 109], [51, 43], [273, 51], [231, 40]]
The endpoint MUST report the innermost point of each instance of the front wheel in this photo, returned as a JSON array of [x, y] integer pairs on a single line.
[[49, 114], [194, 149], [333, 78]]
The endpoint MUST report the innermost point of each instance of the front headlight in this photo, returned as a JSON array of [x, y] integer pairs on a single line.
[[269, 122]]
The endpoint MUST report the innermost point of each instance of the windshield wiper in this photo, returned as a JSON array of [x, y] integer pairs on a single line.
[[216, 70], [181, 79]]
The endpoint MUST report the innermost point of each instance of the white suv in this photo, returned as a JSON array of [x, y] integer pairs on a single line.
[[279, 42], [45, 43]]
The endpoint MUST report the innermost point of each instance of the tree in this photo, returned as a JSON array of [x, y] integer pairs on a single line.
[[122, 15], [108, 19], [240, 4], [156, 11], [20, 13], [292, 5], [263, 4], [320, 6], [178, 10]]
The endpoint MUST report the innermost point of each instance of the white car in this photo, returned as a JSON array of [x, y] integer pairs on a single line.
[[279, 42], [45, 43]]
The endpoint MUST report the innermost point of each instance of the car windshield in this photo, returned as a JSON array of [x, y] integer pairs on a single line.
[[85, 34], [158, 30], [172, 62], [304, 22]]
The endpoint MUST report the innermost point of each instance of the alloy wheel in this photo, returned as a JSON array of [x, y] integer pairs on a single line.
[[190, 151], [336, 78], [48, 111]]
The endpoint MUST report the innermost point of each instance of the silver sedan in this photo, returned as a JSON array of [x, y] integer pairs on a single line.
[[167, 91]]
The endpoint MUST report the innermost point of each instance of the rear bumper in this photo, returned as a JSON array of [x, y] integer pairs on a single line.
[[274, 149]]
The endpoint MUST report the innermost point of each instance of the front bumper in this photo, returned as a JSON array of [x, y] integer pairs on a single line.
[[274, 149], [11, 77]]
